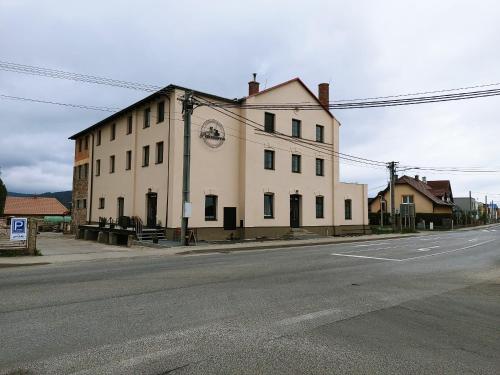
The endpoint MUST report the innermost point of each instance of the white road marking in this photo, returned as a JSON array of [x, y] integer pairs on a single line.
[[372, 244], [366, 257], [427, 248], [301, 318], [473, 240], [447, 252]]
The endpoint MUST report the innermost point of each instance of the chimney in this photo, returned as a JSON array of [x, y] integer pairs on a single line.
[[424, 180], [324, 94], [253, 86], [417, 177]]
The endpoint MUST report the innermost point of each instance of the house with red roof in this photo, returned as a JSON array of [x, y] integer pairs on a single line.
[[34, 207]]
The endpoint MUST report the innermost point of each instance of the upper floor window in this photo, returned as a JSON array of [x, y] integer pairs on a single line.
[[269, 125], [147, 117], [348, 209], [159, 152], [145, 156], [320, 167], [85, 170], [98, 141], [268, 159], [210, 207], [113, 132], [101, 203], [296, 163], [112, 164], [98, 167], [128, 160], [80, 145], [160, 112], [86, 142], [129, 124], [407, 198], [296, 128], [320, 203], [320, 133]]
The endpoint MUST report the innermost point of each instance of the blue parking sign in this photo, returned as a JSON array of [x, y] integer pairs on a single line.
[[18, 229]]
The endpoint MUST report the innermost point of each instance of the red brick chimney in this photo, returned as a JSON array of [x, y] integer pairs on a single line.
[[324, 94], [253, 86]]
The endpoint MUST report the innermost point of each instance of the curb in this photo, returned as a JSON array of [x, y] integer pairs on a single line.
[[226, 249]]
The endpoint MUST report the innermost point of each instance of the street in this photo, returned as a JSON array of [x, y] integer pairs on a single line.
[[417, 305]]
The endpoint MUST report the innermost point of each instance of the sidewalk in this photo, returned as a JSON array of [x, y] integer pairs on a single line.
[[63, 249]]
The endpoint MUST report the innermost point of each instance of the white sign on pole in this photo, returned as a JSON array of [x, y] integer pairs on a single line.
[[187, 210], [18, 229]]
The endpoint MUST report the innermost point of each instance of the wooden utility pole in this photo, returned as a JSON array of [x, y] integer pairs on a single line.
[[392, 171]]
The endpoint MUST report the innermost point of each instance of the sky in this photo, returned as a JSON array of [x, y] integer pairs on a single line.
[[362, 48]]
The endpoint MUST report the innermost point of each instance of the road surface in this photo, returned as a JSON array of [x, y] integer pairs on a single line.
[[414, 305]]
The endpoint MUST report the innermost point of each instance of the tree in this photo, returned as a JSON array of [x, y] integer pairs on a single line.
[[3, 196]]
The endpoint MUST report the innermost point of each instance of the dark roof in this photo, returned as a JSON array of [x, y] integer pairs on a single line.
[[423, 188], [164, 91], [440, 187]]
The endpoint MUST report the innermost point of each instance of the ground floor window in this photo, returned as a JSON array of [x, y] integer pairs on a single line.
[[268, 206], [348, 209], [210, 207], [320, 201]]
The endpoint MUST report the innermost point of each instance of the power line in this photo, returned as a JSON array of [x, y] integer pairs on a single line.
[[91, 107]]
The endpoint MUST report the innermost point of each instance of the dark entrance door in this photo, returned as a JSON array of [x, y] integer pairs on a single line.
[[121, 206], [295, 210], [229, 218], [151, 199]]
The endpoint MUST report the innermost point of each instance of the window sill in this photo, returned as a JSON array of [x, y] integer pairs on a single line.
[[268, 217], [210, 219]]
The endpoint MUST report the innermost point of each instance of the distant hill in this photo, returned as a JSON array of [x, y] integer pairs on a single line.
[[62, 196]]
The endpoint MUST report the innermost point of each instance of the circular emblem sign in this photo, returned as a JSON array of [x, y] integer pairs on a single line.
[[212, 133]]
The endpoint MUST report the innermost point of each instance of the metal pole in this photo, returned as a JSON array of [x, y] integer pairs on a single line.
[[187, 108], [381, 212], [392, 169]]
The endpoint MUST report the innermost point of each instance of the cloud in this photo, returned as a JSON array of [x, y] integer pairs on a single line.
[[363, 48]]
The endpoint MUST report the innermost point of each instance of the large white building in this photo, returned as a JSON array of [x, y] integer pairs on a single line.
[[254, 172]]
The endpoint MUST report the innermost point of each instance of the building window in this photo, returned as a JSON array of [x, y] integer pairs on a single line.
[[296, 128], [296, 163], [210, 207], [320, 204], [348, 209], [86, 170], [407, 198], [128, 160], [147, 118], [159, 152], [160, 112], [269, 122], [112, 164], [113, 132], [129, 125], [101, 203], [268, 159], [80, 172], [320, 133], [145, 156], [320, 167], [98, 141], [84, 203], [268, 205], [86, 142], [80, 145], [98, 167], [77, 203]]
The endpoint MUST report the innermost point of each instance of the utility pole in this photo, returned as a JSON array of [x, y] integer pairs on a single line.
[[486, 209], [187, 109], [392, 171], [381, 211], [470, 207]]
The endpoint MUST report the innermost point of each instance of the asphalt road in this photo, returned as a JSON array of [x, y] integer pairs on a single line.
[[428, 305]]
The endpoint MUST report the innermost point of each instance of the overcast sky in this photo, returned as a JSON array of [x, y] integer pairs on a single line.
[[363, 48]]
